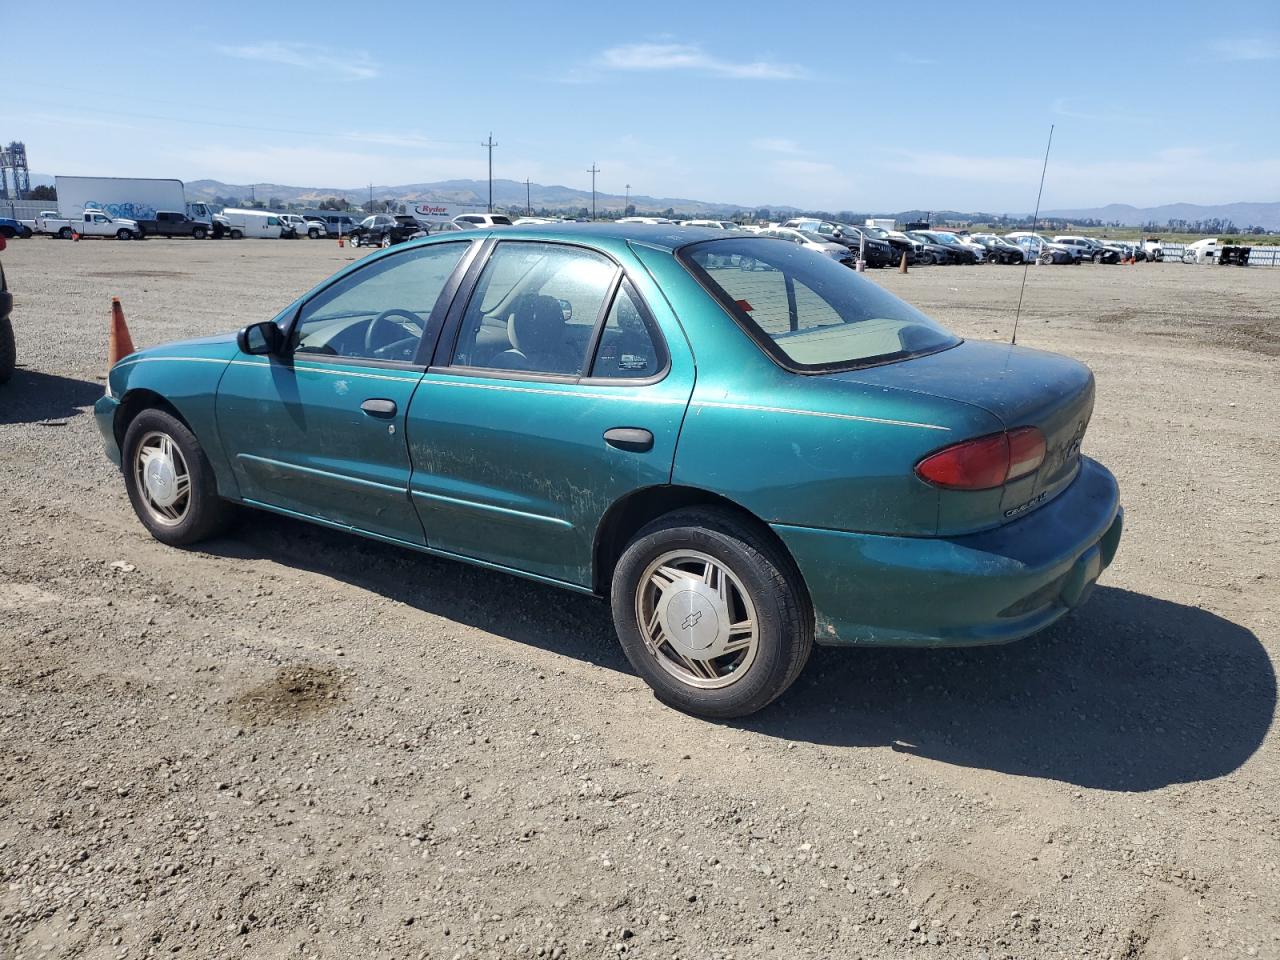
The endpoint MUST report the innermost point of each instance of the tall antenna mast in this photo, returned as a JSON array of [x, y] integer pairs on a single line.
[[1035, 220]]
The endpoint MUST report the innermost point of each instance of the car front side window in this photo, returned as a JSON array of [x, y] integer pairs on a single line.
[[534, 309], [379, 312]]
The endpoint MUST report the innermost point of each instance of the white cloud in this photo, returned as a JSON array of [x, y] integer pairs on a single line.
[[357, 65], [691, 57], [776, 145], [1256, 47]]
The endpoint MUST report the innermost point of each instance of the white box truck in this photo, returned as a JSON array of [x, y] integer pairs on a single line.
[[129, 198]]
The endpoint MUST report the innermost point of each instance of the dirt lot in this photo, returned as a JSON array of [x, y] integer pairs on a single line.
[[296, 744]]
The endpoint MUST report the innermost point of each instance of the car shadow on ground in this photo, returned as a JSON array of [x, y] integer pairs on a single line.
[[31, 397], [1128, 693]]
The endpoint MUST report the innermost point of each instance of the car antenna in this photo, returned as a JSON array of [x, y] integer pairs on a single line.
[[1035, 219]]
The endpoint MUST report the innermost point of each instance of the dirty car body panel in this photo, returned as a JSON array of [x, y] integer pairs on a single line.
[[436, 424]]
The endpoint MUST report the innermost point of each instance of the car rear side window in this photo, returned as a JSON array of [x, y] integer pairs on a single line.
[[380, 311], [535, 308], [630, 346], [809, 312]]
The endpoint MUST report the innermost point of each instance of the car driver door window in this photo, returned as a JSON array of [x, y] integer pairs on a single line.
[[319, 428]]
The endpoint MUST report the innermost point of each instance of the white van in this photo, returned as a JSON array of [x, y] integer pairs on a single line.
[[252, 223]]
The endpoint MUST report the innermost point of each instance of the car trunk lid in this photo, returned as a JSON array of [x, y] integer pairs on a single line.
[[1021, 388]]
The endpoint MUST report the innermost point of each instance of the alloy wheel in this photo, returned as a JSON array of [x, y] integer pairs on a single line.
[[697, 619], [163, 479]]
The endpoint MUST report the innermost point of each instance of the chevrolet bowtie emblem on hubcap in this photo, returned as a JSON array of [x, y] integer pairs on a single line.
[[691, 620]]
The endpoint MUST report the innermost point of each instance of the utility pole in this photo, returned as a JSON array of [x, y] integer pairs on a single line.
[[593, 171], [626, 203], [490, 144], [528, 206], [371, 198]]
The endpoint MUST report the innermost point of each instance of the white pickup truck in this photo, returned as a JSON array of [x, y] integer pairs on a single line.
[[94, 223]]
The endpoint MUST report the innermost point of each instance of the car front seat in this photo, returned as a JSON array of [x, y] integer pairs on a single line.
[[536, 332]]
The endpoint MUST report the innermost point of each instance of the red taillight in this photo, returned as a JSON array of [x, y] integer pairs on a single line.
[[986, 462]]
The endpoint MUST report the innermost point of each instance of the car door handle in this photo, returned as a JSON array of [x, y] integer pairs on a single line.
[[635, 439], [377, 407]]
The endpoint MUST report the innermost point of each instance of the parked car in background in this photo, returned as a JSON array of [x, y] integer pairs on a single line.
[[532, 221], [961, 253], [952, 238], [335, 224], [931, 251], [42, 218], [999, 250], [385, 230], [809, 241], [1042, 250], [170, 223], [1154, 248], [8, 346], [879, 253], [474, 221], [1089, 248], [11, 229], [900, 242], [258, 224], [94, 223], [298, 226], [765, 463], [710, 224]]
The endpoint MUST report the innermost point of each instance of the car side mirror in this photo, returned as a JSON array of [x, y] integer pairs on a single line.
[[259, 339]]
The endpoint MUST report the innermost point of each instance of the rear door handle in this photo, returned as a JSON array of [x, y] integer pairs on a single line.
[[635, 439], [377, 407]]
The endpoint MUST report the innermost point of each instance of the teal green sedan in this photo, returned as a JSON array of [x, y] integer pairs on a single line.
[[743, 445]]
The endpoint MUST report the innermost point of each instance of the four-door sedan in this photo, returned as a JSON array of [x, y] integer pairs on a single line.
[[743, 462]]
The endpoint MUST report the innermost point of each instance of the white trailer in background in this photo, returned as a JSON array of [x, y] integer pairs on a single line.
[[130, 198]]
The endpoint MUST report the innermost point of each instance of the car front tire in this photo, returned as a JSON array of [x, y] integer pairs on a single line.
[[313, 234], [711, 613], [170, 483]]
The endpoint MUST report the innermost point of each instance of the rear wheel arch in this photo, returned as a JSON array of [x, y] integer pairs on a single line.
[[641, 507]]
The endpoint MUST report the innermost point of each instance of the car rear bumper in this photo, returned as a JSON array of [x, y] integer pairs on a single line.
[[991, 587]]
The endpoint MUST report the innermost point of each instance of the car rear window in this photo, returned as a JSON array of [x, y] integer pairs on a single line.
[[807, 311]]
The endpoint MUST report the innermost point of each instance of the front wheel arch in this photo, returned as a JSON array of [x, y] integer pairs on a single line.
[[133, 403]]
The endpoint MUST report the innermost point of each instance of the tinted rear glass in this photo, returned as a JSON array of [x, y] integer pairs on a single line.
[[808, 311]]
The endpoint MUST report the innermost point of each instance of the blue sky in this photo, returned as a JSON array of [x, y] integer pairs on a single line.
[[861, 106]]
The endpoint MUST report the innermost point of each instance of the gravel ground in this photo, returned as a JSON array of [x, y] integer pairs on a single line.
[[291, 743]]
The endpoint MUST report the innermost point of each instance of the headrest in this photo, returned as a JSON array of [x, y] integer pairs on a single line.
[[536, 324]]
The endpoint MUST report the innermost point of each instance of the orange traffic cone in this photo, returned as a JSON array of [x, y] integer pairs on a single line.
[[902, 267], [75, 235], [119, 343], [341, 243]]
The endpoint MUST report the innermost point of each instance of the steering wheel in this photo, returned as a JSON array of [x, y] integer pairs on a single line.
[[385, 317]]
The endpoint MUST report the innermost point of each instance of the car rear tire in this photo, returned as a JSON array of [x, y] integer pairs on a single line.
[[711, 613], [8, 350], [198, 233], [386, 241], [355, 240], [170, 482], [65, 233]]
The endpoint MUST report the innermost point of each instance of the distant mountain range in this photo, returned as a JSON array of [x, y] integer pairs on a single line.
[[1241, 214], [511, 194], [506, 193]]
